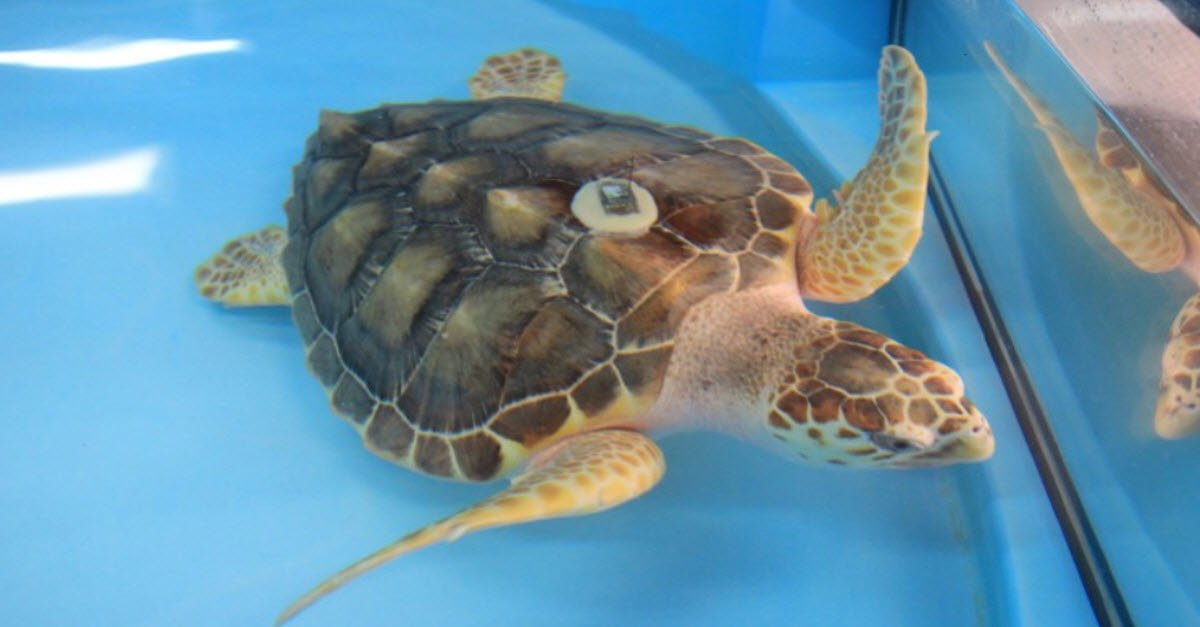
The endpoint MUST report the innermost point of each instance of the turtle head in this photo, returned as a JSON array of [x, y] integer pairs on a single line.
[[856, 398]]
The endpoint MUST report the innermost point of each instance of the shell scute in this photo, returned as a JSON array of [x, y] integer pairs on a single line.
[[533, 421], [612, 274], [559, 344]]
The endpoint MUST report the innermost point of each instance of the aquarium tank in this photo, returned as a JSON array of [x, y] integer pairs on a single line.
[[1024, 228]]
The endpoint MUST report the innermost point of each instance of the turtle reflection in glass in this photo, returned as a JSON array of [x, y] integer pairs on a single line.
[[515, 286], [1152, 231]]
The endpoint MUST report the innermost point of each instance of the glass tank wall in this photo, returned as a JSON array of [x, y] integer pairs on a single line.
[[167, 461], [1087, 260]]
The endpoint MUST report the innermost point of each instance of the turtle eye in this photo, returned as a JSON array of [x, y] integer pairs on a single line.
[[613, 206], [893, 443]]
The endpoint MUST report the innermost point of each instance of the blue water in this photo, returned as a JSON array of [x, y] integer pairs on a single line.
[[163, 461]]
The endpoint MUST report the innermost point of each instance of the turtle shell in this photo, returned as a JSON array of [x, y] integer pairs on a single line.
[[456, 311]]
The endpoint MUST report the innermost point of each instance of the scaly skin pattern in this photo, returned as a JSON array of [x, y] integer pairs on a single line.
[[247, 271], [863, 242], [527, 73]]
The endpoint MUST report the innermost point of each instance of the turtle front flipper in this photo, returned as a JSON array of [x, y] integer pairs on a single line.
[[524, 73], [1178, 412], [247, 271], [584, 474], [863, 241], [1139, 224]]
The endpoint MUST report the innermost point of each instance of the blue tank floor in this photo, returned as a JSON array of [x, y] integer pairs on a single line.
[[164, 461]]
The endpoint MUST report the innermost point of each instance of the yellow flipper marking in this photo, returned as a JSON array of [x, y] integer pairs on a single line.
[[584, 474], [247, 271], [864, 240], [1178, 412], [525, 73], [1141, 225]]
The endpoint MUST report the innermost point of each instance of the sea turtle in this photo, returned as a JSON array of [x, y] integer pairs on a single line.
[[1152, 231], [511, 285]]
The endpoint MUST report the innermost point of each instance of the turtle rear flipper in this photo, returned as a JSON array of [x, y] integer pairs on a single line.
[[863, 241], [524, 73], [584, 474], [247, 271]]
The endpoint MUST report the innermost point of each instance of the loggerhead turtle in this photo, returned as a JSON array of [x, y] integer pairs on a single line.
[[511, 285], [1153, 232]]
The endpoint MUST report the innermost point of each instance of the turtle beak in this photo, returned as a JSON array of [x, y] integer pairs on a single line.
[[974, 444]]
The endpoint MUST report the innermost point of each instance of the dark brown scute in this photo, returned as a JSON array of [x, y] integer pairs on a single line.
[[775, 211], [522, 122], [752, 269], [432, 455], [477, 455], [305, 318], [400, 161], [643, 372], [658, 317], [724, 224], [530, 422], [706, 175], [339, 246], [611, 274], [560, 343], [436, 115], [386, 327], [389, 433], [344, 135], [597, 391], [584, 155], [328, 184], [351, 400], [323, 360], [790, 182], [769, 245], [457, 385], [453, 183]]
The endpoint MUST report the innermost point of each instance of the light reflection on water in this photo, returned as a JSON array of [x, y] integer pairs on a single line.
[[100, 54], [126, 172]]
